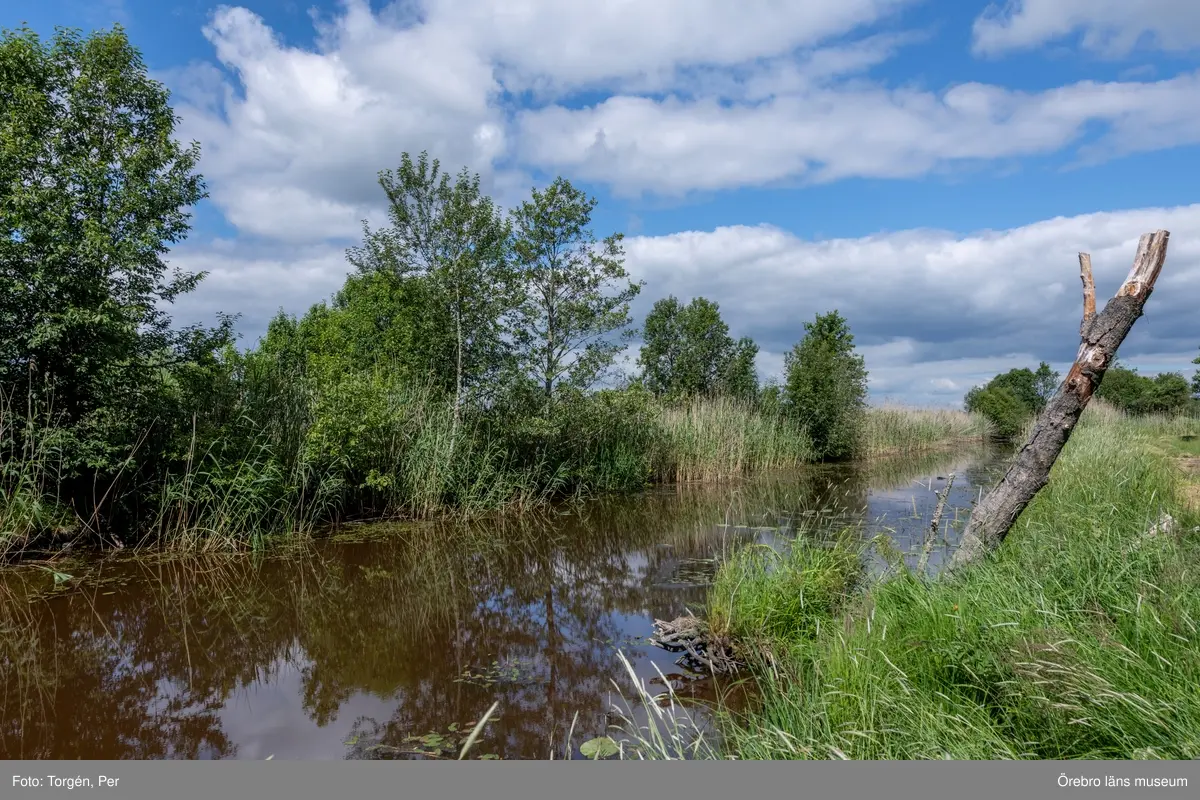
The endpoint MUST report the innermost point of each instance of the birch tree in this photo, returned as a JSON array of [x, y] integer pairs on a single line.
[[575, 291]]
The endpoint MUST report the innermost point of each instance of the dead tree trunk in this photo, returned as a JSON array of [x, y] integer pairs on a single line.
[[1101, 334]]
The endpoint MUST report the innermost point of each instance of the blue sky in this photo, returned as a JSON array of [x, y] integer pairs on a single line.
[[928, 167]]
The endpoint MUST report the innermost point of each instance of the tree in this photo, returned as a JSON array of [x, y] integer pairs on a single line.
[[688, 351], [567, 314], [453, 236], [1168, 393], [1122, 387], [1001, 407], [825, 385], [94, 188], [1196, 377]]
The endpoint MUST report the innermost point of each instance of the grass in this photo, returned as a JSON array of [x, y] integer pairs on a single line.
[[898, 429], [722, 438], [1080, 639]]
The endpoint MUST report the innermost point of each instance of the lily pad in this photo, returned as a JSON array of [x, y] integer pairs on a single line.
[[600, 747]]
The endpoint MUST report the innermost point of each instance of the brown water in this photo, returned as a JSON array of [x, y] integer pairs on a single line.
[[390, 642]]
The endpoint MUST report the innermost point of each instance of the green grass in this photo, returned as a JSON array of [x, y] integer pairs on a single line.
[[1078, 640], [722, 438], [897, 429]]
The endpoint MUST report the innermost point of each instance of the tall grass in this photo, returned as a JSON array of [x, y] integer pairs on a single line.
[[711, 439], [1080, 639], [29, 469], [896, 429]]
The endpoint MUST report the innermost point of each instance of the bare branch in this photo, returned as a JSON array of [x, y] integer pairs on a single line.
[[1089, 292], [1030, 470]]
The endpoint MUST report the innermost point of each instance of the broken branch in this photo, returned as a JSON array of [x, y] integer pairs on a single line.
[[1089, 292], [1100, 338]]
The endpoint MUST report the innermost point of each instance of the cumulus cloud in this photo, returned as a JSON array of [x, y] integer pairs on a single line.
[[935, 312], [831, 132], [1108, 27], [715, 96]]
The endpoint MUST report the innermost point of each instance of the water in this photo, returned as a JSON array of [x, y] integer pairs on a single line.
[[391, 642]]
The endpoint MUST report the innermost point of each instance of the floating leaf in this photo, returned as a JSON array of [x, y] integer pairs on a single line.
[[600, 747], [489, 757]]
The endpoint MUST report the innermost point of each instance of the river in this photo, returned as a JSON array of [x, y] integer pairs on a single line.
[[391, 641]]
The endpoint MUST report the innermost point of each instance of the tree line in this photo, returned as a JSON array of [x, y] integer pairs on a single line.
[[1011, 399]]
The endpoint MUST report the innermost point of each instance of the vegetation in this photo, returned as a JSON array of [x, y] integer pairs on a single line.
[[1165, 393], [1078, 640], [688, 352], [1009, 400], [826, 386], [459, 368]]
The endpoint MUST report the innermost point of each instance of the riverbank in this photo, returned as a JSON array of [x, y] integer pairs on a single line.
[[1081, 639], [374, 450]]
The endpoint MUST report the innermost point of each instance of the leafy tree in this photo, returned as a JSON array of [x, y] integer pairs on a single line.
[[1196, 377], [825, 385], [1122, 387], [688, 351], [567, 314], [94, 188], [740, 374], [1032, 389], [450, 234], [1007, 412], [1166, 393]]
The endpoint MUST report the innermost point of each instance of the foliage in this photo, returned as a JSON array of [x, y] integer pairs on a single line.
[[826, 386], [688, 352], [94, 188], [1003, 409], [1010, 399], [566, 314], [1165, 393], [452, 238]]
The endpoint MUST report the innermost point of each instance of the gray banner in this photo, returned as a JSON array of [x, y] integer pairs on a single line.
[[364, 780]]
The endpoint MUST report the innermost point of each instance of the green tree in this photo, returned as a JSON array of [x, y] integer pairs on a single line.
[[1167, 393], [1045, 381], [1123, 388], [688, 351], [825, 386], [94, 188], [1196, 377], [576, 291], [448, 233], [1001, 407]]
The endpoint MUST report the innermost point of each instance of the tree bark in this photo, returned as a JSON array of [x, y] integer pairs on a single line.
[[1101, 334]]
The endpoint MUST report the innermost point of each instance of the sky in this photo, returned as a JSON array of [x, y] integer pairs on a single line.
[[928, 168]]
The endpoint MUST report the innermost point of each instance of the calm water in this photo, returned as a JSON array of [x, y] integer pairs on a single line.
[[391, 642]]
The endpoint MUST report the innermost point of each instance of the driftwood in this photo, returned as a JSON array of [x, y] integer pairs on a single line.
[[1101, 334], [703, 651]]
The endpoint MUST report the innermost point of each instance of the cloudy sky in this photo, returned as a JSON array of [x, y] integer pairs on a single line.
[[930, 168]]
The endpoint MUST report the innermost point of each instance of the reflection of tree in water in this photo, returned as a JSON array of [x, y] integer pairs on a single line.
[[441, 620]]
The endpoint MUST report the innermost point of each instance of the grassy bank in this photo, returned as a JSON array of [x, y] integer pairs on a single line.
[[288, 455], [1079, 640]]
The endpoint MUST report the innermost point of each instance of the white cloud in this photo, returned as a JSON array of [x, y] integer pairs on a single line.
[[1109, 27], [710, 95], [933, 312], [825, 133]]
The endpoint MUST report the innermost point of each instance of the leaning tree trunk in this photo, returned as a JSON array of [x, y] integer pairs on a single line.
[[1101, 334]]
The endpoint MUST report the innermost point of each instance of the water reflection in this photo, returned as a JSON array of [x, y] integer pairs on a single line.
[[392, 642]]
